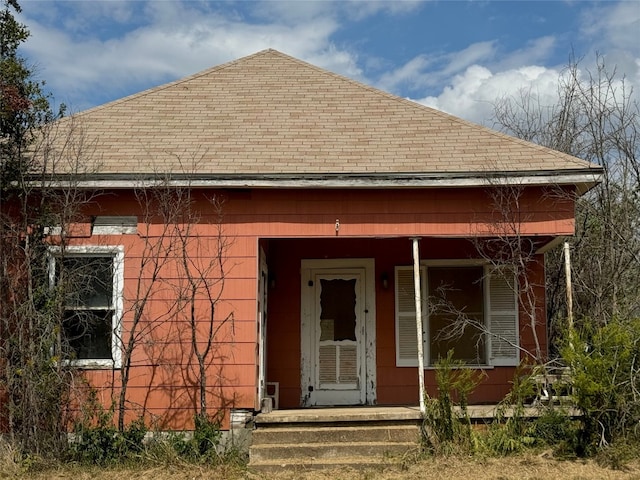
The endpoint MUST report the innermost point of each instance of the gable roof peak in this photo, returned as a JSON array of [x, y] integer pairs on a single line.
[[271, 114]]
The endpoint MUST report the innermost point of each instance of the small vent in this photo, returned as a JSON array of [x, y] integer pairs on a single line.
[[115, 225]]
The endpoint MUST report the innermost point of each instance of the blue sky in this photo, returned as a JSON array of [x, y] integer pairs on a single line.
[[458, 56]]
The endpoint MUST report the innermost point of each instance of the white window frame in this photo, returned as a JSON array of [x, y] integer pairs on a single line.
[[486, 285], [115, 225], [117, 253]]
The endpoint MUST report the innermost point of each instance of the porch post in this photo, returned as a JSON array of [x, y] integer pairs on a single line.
[[567, 273], [418, 296]]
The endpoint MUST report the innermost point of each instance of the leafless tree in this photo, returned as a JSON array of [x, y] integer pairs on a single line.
[[183, 264], [596, 118], [158, 207], [203, 273]]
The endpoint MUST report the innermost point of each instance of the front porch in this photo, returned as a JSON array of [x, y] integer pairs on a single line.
[[355, 437], [334, 333]]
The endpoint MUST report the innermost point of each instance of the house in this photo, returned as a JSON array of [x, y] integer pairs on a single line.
[[318, 199]]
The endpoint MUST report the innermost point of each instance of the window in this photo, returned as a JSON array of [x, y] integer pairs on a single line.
[[455, 297], [468, 308], [91, 280]]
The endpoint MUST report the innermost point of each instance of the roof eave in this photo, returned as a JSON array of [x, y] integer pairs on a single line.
[[582, 179]]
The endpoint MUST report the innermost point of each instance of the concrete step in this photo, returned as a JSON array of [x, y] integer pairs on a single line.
[[302, 452], [374, 433], [343, 464], [358, 438]]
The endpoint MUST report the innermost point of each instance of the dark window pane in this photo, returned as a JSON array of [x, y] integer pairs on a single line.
[[468, 347], [88, 281], [338, 310], [88, 334], [456, 309]]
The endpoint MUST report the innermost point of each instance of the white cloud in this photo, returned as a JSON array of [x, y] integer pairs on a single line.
[[291, 12], [359, 9], [411, 73], [536, 51], [295, 11], [119, 47], [617, 24], [614, 31], [88, 14], [469, 81], [424, 70], [472, 94], [469, 56], [178, 39]]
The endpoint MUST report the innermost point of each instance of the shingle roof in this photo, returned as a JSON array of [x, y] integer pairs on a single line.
[[271, 114]]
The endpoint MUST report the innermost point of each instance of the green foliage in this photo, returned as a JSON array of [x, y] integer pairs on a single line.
[[97, 440], [509, 432], [203, 445], [447, 427], [500, 440], [605, 366], [604, 363], [24, 107], [554, 428]]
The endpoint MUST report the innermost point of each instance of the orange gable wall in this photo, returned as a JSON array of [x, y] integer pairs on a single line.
[[163, 384]]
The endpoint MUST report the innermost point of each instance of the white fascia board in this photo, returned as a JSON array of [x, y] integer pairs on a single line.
[[584, 180]]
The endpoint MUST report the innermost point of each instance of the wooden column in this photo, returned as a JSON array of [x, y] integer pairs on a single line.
[[418, 295]]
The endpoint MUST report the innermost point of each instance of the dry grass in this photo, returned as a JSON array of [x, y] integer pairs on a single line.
[[8, 457], [525, 467]]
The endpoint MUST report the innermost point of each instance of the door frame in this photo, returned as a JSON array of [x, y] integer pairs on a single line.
[[310, 268], [263, 288]]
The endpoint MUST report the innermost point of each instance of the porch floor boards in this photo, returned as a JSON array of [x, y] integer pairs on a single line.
[[382, 413], [338, 414]]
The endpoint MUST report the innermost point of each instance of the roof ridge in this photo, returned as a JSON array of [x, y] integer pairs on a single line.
[[164, 86]]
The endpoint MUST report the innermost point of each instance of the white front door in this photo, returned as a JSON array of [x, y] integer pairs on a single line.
[[334, 336]]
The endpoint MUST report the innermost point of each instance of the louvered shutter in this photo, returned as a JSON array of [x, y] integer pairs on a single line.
[[502, 309], [328, 364], [348, 364], [406, 336]]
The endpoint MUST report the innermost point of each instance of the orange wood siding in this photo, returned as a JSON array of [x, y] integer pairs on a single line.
[[295, 224], [312, 213]]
